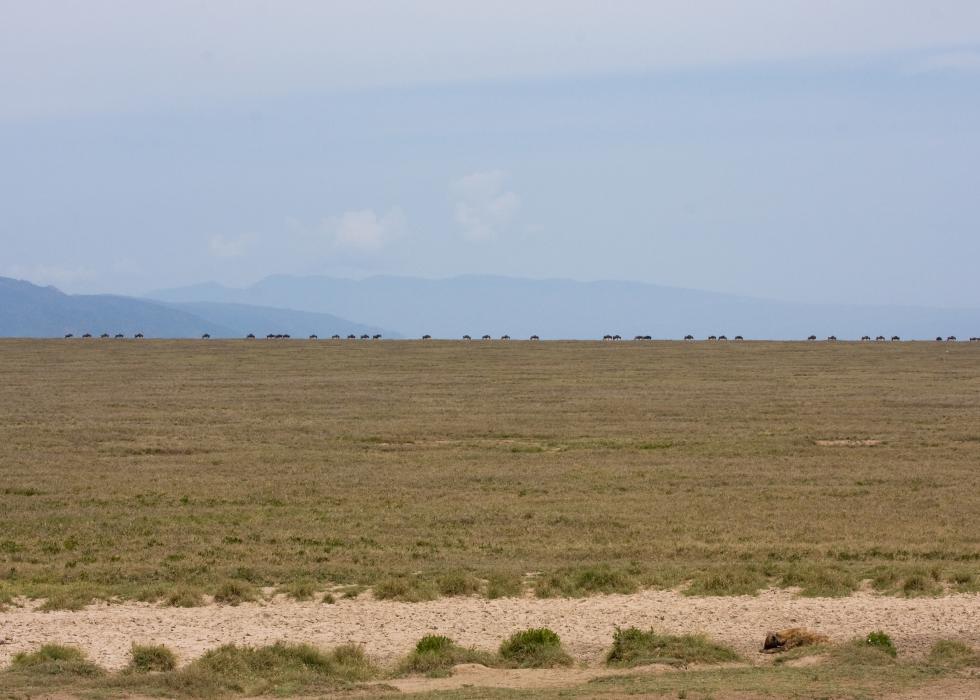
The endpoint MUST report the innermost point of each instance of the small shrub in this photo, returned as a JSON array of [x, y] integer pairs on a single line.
[[55, 660], [302, 589], [534, 648], [955, 654], [235, 593], [457, 583], [183, 597], [881, 641], [436, 654], [920, 584], [151, 658], [504, 586], [634, 647], [353, 591], [328, 599], [68, 599], [874, 650], [406, 589]]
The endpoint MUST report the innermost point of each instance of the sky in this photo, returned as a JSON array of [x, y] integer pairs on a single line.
[[809, 151]]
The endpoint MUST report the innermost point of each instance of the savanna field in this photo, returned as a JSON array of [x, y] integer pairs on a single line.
[[147, 469]]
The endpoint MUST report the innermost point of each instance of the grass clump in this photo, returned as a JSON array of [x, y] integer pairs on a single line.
[[235, 592], [820, 581], [151, 658], [728, 581], [302, 589], [881, 641], [328, 599], [183, 597], [504, 586], [534, 648], [583, 582], [953, 654], [635, 647], [458, 583], [436, 655], [55, 660], [68, 599], [876, 649], [409, 589], [280, 669]]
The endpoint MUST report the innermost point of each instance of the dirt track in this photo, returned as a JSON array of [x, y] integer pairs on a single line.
[[388, 629]]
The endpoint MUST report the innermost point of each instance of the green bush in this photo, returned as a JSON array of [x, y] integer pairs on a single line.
[[183, 597], [302, 589], [458, 583], [534, 648], [436, 654], [151, 658], [583, 582], [881, 641], [634, 647], [328, 599], [235, 593], [55, 660]]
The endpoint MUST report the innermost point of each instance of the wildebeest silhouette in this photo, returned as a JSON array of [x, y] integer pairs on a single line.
[[365, 336], [104, 335], [832, 337], [69, 335], [466, 337], [376, 336], [607, 337], [86, 335], [486, 337], [426, 337], [722, 337], [250, 336], [286, 335], [352, 337], [314, 337], [895, 337], [879, 338], [335, 337], [738, 337], [206, 336], [505, 337], [534, 337], [688, 337], [119, 335], [617, 337], [712, 337], [790, 638], [138, 336], [865, 337], [952, 337], [811, 337], [939, 339]]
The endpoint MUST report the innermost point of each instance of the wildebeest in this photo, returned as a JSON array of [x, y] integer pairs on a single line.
[[811, 337], [86, 335], [206, 336], [505, 337], [831, 338], [119, 335], [314, 337], [466, 337], [879, 338], [865, 337], [365, 336], [617, 337], [952, 337], [534, 337], [250, 336], [335, 336], [722, 337], [895, 337], [939, 339], [376, 336], [138, 336], [69, 335], [738, 337], [352, 337], [688, 337], [790, 638], [104, 335], [607, 337], [712, 337], [426, 337], [486, 337]]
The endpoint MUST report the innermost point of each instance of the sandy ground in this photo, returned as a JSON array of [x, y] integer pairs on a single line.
[[388, 629]]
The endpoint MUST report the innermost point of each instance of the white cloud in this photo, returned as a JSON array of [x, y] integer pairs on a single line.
[[223, 247], [483, 206], [950, 61], [364, 230]]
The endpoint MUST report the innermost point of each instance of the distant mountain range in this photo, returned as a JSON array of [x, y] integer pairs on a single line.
[[557, 308], [27, 310]]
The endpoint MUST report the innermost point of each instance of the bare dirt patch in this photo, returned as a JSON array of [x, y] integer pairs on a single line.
[[844, 442]]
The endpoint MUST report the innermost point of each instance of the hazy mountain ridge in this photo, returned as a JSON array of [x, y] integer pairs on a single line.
[[28, 310], [558, 308]]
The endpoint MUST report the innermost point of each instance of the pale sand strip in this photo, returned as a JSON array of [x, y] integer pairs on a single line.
[[388, 629]]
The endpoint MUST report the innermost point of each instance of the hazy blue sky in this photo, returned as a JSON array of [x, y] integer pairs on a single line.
[[796, 150]]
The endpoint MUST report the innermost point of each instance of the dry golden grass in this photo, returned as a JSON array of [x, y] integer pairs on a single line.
[[132, 468]]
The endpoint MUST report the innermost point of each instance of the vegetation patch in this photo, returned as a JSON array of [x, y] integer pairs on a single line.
[[301, 589], [151, 658], [280, 669], [235, 593], [55, 660], [436, 655], [953, 654], [409, 589], [636, 647], [739, 580], [504, 586], [584, 582], [184, 597], [68, 598], [820, 581], [458, 583], [534, 648]]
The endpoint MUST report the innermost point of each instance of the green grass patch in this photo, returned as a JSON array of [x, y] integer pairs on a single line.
[[301, 589], [436, 655], [183, 596], [583, 582], [743, 580], [458, 583], [68, 598], [820, 581], [501, 585], [151, 658], [636, 647], [534, 648], [55, 660]]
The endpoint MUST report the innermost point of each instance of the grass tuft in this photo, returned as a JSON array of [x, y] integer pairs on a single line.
[[635, 647], [534, 648], [183, 597], [435, 655], [301, 589], [68, 598], [744, 580], [409, 589], [55, 660], [953, 654], [151, 658], [235, 592], [458, 583], [504, 586], [584, 582]]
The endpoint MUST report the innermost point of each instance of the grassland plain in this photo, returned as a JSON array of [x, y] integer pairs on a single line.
[[136, 468]]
